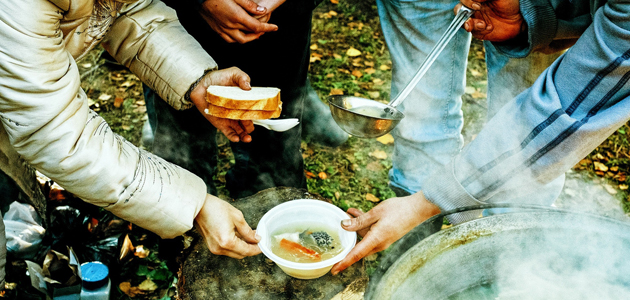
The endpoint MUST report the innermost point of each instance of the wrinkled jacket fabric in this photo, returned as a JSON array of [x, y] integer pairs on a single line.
[[45, 112]]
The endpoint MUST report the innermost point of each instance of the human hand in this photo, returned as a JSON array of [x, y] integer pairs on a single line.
[[384, 224], [224, 229], [494, 20], [231, 19], [271, 5], [234, 130]]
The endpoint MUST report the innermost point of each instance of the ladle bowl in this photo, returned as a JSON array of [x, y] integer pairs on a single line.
[[363, 117], [369, 119]]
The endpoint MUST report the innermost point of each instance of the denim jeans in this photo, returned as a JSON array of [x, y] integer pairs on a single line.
[[430, 134]]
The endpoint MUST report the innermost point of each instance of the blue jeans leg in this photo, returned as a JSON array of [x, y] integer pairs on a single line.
[[430, 134]]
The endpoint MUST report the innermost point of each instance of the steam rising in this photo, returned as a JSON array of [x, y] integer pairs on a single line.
[[526, 255]]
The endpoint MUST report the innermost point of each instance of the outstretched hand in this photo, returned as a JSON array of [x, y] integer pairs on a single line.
[[236, 20], [234, 130], [224, 229], [494, 20], [384, 224]]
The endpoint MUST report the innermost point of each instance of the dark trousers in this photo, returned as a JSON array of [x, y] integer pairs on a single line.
[[278, 59]]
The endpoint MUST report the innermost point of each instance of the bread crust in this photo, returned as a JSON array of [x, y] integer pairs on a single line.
[[243, 114], [266, 104]]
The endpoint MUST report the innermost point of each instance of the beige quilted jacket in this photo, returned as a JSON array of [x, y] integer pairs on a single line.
[[46, 117]]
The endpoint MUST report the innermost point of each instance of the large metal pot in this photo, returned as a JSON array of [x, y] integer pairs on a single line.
[[535, 254]]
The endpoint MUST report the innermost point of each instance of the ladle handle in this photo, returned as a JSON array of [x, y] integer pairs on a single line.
[[462, 15]]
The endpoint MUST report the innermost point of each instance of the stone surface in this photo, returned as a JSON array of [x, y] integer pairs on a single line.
[[207, 276]]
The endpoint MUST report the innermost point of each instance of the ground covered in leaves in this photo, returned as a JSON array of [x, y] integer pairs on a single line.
[[348, 57]]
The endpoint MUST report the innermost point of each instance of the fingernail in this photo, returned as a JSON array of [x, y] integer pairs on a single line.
[[260, 9], [248, 85], [334, 273], [257, 237], [466, 26], [346, 222], [476, 6]]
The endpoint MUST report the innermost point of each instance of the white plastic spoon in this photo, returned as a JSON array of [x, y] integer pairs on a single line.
[[279, 125]]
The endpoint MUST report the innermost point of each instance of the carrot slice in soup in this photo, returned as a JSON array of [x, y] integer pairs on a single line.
[[299, 249]]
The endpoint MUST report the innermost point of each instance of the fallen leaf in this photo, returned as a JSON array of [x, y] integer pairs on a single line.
[[338, 195], [386, 139], [118, 102], [369, 63], [585, 161], [600, 166], [127, 247], [384, 67], [104, 97], [148, 285], [611, 190], [353, 52], [330, 75], [475, 73], [371, 198], [322, 175], [126, 127], [141, 252], [314, 47], [470, 90], [334, 1], [127, 84], [374, 94], [140, 110], [343, 71], [130, 291], [599, 156], [623, 187], [377, 81], [332, 13], [357, 94], [370, 71], [117, 76], [614, 169], [479, 95], [380, 154], [86, 65], [357, 73], [309, 174], [337, 56], [315, 57], [336, 92]]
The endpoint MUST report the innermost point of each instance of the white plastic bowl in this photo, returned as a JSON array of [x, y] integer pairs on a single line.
[[299, 212]]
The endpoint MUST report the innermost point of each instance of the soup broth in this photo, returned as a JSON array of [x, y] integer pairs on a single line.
[[305, 243]]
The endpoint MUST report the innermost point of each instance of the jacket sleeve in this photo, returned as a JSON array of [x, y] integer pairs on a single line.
[[552, 26], [47, 120], [578, 102], [149, 40]]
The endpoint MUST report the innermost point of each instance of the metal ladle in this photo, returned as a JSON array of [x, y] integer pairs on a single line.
[[368, 118]]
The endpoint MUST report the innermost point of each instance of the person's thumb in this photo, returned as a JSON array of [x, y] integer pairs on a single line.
[[361, 222], [246, 232]]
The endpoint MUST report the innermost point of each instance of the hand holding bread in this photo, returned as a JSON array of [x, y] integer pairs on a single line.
[[235, 130]]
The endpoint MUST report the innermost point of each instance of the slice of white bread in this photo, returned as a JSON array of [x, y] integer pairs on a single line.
[[233, 97], [242, 114]]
